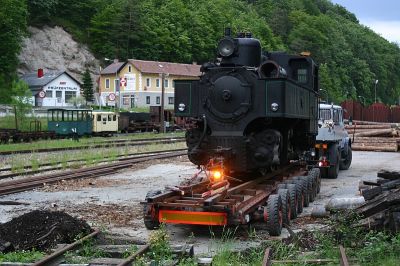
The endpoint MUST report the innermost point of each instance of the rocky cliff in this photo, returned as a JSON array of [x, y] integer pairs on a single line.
[[54, 49]]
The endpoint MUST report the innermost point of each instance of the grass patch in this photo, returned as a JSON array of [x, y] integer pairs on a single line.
[[9, 123], [21, 256], [69, 143]]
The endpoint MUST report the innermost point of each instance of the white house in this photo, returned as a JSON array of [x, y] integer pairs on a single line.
[[53, 88]]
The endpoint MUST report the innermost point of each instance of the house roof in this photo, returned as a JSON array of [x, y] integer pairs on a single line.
[[113, 68], [33, 81], [156, 67]]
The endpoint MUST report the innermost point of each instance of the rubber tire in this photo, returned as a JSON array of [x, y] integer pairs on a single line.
[[150, 223], [313, 185], [286, 208], [280, 186], [306, 189], [316, 173], [334, 156], [300, 194], [293, 199], [274, 210], [345, 164]]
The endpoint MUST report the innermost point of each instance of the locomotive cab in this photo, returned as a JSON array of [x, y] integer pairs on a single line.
[[256, 110]]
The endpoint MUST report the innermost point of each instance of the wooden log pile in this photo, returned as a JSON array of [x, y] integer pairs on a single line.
[[382, 207], [374, 136]]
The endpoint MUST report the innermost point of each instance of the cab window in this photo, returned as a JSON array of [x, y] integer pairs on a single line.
[[98, 118]]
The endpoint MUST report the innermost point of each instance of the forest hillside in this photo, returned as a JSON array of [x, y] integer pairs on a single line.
[[351, 56]]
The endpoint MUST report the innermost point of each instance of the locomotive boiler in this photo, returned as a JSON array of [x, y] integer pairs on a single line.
[[252, 111]]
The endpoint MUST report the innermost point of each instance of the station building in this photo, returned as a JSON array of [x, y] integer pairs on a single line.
[[138, 83], [52, 89]]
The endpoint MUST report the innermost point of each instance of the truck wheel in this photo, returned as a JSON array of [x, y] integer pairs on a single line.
[[150, 222], [274, 215], [286, 208], [346, 162], [334, 158]]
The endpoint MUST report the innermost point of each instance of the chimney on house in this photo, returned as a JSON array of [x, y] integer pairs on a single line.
[[40, 72]]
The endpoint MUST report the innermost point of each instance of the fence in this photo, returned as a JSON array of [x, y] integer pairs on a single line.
[[377, 112]]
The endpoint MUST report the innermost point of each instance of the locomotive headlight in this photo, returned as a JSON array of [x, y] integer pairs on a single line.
[[274, 107], [181, 107], [226, 47]]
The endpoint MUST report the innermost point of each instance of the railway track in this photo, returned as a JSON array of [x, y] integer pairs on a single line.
[[14, 186], [118, 143], [57, 165]]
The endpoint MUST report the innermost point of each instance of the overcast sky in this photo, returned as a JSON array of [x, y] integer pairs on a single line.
[[382, 16]]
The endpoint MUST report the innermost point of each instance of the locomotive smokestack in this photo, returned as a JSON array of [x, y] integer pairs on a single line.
[[228, 32]]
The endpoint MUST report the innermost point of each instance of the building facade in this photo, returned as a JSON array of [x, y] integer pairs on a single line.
[[138, 83], [52, 89]]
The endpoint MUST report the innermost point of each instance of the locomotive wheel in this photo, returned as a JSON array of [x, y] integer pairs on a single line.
[[150, 222], [293, 199], [286, 208], [316, 173], [346, 162], [334, 157], [274, 215]]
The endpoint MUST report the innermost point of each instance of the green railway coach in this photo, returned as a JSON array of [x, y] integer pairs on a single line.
[[70, 121]]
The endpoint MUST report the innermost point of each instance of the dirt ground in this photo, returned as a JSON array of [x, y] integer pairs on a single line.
[[113, 202]]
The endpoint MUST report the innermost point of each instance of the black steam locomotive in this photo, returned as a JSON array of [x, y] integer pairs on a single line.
[[252, 110]]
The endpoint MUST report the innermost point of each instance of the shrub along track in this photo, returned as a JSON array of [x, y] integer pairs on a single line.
[[106, 144], [122, 157], [14, 186]]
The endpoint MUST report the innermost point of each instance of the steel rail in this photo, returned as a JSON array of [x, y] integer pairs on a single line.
[[128, 261], [53, 256], [39, 181], [121, 157], [140, 142]]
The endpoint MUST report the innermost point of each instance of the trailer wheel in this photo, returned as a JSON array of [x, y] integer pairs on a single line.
[[306, 189], [346, 162], [274, 215], [149, 216], [312, 188], [286, 208], [316, 173], [300, 195], [293, 200], [334, 157]]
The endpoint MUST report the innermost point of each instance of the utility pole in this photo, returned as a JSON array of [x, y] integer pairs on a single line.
[[162, 118]]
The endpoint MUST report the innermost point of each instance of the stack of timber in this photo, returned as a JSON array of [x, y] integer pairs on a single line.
[[374, 136], [382, 207]]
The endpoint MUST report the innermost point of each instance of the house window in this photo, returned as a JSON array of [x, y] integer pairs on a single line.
[[158, 100], [166, 83], [69, 95], [126, 99], [107, 83], [49, 94], [158, 83], [147, 99], [116, 84], [129, 69], [59, 94], [148, 82], [170, 100]]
